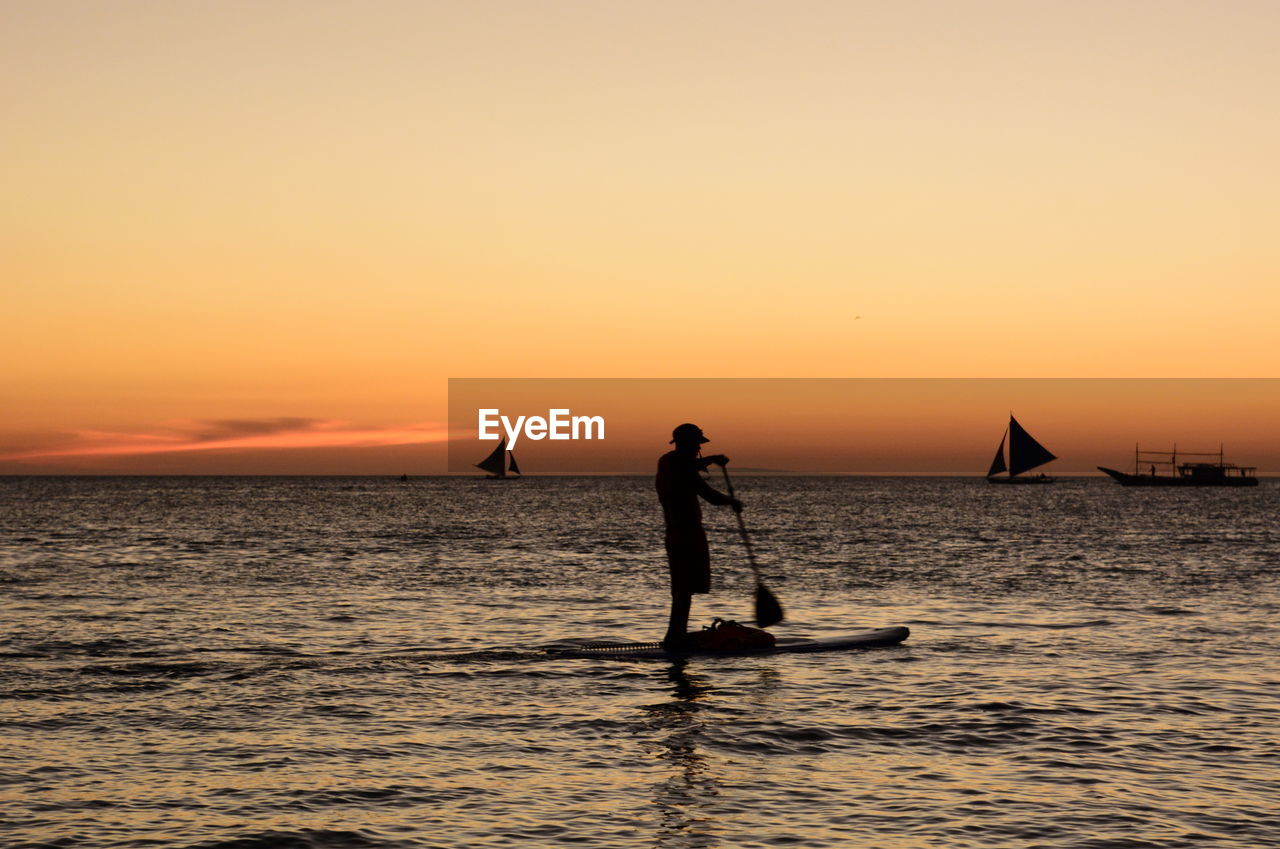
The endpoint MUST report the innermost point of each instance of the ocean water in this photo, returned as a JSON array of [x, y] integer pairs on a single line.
[[332, 662]]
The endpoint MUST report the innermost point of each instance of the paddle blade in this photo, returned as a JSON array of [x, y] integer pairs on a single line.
[[768, 611]]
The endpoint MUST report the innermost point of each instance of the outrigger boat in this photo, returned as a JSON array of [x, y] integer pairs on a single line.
[[496, 464], [1025, 454], [1197, 473]]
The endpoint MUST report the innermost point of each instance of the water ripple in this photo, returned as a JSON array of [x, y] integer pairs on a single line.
[[338, 662]]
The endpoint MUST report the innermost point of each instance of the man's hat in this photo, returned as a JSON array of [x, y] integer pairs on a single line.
[[688, 433]]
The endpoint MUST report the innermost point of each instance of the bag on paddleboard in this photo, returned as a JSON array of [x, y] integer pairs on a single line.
[[724, 635]]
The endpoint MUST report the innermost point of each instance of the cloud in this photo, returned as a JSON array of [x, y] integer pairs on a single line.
[[235, 434], [235, 428]]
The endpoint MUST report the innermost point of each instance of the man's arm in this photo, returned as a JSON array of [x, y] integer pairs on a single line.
[[716, 459], [715, 496], [708, 492]]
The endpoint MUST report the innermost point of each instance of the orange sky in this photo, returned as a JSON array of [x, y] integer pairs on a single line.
[[305, 217], [877, 426]]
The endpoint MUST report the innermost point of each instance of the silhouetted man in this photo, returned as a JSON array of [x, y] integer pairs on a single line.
[[679, 488]]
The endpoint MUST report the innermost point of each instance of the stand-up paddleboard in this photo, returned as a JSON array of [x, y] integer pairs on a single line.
[[785, 645]]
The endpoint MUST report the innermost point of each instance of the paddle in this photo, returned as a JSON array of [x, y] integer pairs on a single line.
[[768, 611]]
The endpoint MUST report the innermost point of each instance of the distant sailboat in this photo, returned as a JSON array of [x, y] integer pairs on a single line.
[[1024, 454], [496, 463]]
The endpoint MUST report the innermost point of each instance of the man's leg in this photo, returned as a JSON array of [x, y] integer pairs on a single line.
[[679, 624]]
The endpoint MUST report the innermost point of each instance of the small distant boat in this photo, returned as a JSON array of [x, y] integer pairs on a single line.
[[496, 464], [1197, 473], [1025, 454]]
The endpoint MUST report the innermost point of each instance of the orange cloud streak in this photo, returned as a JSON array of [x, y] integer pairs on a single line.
[[239, 435]]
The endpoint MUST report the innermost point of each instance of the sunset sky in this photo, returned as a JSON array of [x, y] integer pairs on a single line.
[[260, 237], [877, 425]]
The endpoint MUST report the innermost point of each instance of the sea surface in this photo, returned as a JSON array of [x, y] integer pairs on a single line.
[[334, 662]]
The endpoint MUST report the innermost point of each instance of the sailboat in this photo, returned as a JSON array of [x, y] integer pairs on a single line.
[[496, 464], [1025, 454]]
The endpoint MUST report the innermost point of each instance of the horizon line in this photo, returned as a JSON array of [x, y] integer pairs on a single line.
[[471, 476]]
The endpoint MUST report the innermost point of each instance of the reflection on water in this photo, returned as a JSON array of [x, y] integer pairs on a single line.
[[689, 801], [682, 799]]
